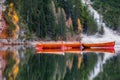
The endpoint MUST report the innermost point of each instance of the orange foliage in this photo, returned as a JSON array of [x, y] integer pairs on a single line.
[[13, 74], [15, 19], [79, 61], [79, 25]]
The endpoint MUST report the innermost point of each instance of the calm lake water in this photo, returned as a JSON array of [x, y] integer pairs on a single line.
[[24, 63]]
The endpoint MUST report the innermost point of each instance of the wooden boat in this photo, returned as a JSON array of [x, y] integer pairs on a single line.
[[49, 46], [107, 44], [58, 45]]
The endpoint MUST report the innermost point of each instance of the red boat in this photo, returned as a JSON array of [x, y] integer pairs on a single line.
[[107, 44], [62, 46]]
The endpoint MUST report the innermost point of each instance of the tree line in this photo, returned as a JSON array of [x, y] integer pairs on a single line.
[[47, 19]]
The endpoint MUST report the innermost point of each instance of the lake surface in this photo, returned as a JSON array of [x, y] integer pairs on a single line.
[[24, 63]]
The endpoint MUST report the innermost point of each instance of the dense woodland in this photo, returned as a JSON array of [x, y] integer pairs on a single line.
[[110, 9], [48, 19]]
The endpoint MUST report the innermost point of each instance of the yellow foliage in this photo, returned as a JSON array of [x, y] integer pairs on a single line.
[[15, 71], [15, 19], [79, 25], [79, 61], [12, 13], [11, 9], [12, 75], [11, 5]]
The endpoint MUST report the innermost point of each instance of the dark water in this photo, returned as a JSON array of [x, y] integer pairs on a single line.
[[25, 64]]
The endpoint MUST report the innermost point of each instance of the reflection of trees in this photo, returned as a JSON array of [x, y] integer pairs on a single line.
[[12, 65], [43, 67], [89, 61], [111, 70], [49, 67], [56, 67], [3, 62]]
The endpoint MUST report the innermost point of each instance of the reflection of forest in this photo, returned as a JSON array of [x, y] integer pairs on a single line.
[[52, 67], [44, 67], [111, 69], [9, 65], [41, 66], [49, 67], [3, 63], [56, 67]]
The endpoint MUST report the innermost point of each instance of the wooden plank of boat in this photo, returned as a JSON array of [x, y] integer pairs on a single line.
[[107, 44]]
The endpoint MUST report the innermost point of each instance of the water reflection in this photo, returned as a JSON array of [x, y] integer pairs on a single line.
[[24, 63], [5, 57], [9, 62], [3, 63]]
